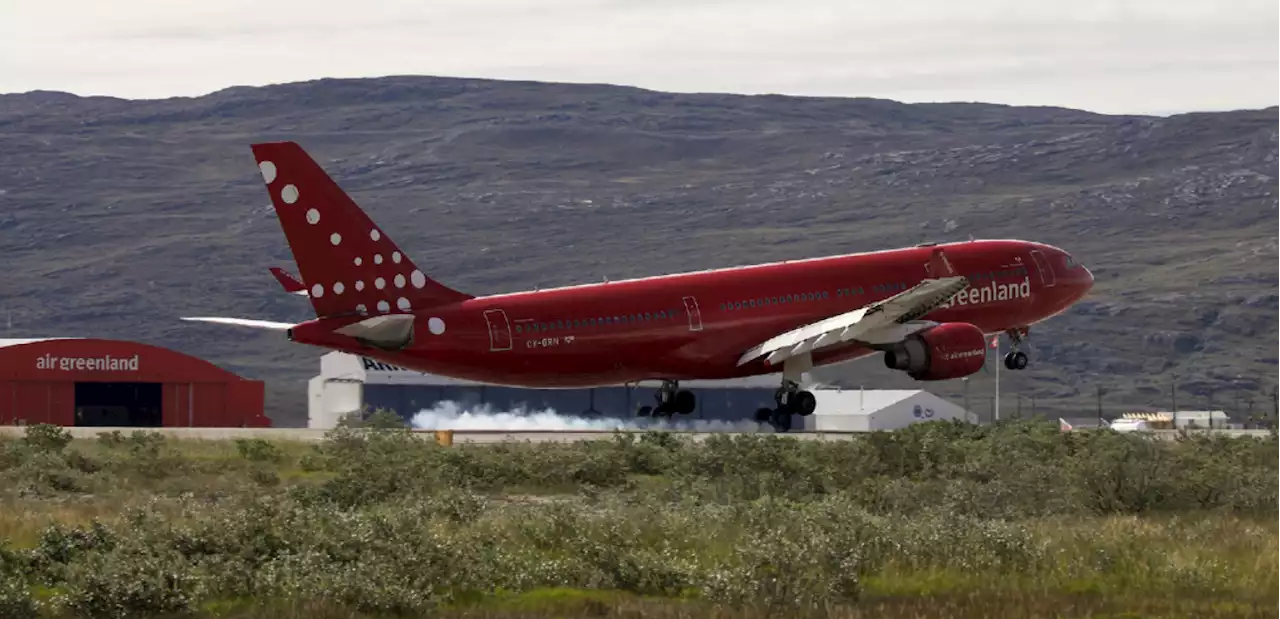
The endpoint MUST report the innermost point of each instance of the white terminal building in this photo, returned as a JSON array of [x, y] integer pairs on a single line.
[[349, 383]]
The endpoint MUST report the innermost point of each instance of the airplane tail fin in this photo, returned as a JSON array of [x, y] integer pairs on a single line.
[[351, 266]]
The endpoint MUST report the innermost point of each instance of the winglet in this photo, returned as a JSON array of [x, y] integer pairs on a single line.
[[288, 282]]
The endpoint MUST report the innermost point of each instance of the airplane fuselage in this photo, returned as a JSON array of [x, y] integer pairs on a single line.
[[696, 325]]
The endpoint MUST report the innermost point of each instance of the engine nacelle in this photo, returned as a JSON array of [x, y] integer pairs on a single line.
[[949, 350]]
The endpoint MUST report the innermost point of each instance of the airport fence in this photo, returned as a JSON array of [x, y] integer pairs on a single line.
[[1243, 408]]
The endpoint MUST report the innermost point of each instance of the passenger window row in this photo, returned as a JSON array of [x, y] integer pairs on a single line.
[[852, 291], [803, 297], [891, 288], [599, 321], [1018, 271]]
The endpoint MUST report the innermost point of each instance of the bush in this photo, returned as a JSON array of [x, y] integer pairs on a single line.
[[380, 521]]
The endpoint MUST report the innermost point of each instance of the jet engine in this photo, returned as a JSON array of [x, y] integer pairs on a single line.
[[946, 351]]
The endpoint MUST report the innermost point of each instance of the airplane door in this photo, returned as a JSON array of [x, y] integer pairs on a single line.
[[695, 317], [1046, 271], [499, 330], [938, 266]]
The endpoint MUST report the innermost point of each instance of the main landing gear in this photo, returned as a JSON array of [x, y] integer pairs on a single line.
[[1016, 359], [790, 399], [671, 400]]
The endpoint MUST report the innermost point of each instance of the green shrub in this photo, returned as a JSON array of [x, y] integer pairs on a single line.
[[382, 521], [47, 437]]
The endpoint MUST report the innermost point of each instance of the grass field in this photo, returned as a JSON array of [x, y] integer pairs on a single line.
[[939, 520]]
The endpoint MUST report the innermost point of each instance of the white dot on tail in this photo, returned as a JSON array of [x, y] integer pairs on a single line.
[[384, 307], [268, 170], [380, 283], [313, 216], [289, 194], [361, 308], [403, 304], [317, 291], [395, 257], [435, 325], [338, 288], [374, 234], [419, 280], [399, 281], [359, 261], [335, 238], [359, 285], [377, 258]]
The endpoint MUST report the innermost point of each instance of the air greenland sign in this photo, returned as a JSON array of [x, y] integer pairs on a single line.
[[105, 363], [992, 292]]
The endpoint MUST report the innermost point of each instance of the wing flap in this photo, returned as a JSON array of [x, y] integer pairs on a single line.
[[886, 320]]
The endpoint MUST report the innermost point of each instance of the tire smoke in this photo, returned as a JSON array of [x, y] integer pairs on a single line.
[[450, 415]]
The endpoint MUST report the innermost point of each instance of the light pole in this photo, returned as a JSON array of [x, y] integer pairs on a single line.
[[1173, 393]]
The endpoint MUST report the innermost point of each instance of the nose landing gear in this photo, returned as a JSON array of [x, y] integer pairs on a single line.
[[1016, 359]]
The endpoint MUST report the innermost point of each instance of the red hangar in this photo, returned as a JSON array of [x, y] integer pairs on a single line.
[[113, 383]]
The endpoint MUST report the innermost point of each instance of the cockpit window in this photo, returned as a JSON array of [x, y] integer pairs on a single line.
[[1071, 262]]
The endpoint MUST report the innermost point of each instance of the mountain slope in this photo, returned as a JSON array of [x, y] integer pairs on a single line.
[[118, 216]]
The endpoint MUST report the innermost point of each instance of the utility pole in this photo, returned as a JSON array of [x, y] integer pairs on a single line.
[[1173, 393], [998, 364], [1099, 406]]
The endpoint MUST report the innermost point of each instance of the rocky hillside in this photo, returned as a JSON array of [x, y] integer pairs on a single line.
[[118, 216]]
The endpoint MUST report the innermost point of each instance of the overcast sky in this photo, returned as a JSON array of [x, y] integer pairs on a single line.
[[1120, 56]]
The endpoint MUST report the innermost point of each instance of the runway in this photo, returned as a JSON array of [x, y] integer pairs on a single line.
[[499, 436], [459, 436]]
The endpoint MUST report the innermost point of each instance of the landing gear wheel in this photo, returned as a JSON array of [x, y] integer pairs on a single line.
[[781, 420], [764, 415], [1016, 360], [672, 400], [802, 403], [644, 411], [684, 402]]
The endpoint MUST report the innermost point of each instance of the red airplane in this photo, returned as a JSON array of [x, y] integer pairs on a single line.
[[930, 309]]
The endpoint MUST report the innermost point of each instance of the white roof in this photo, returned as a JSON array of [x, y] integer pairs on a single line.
[[345, 366], [31, 340]]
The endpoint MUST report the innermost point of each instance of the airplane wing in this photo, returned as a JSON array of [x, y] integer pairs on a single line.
[[290, 283], [882, 322]]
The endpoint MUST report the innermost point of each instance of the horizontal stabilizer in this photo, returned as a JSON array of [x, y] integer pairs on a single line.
[[288, 282], [242, 322], [391, 332]]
